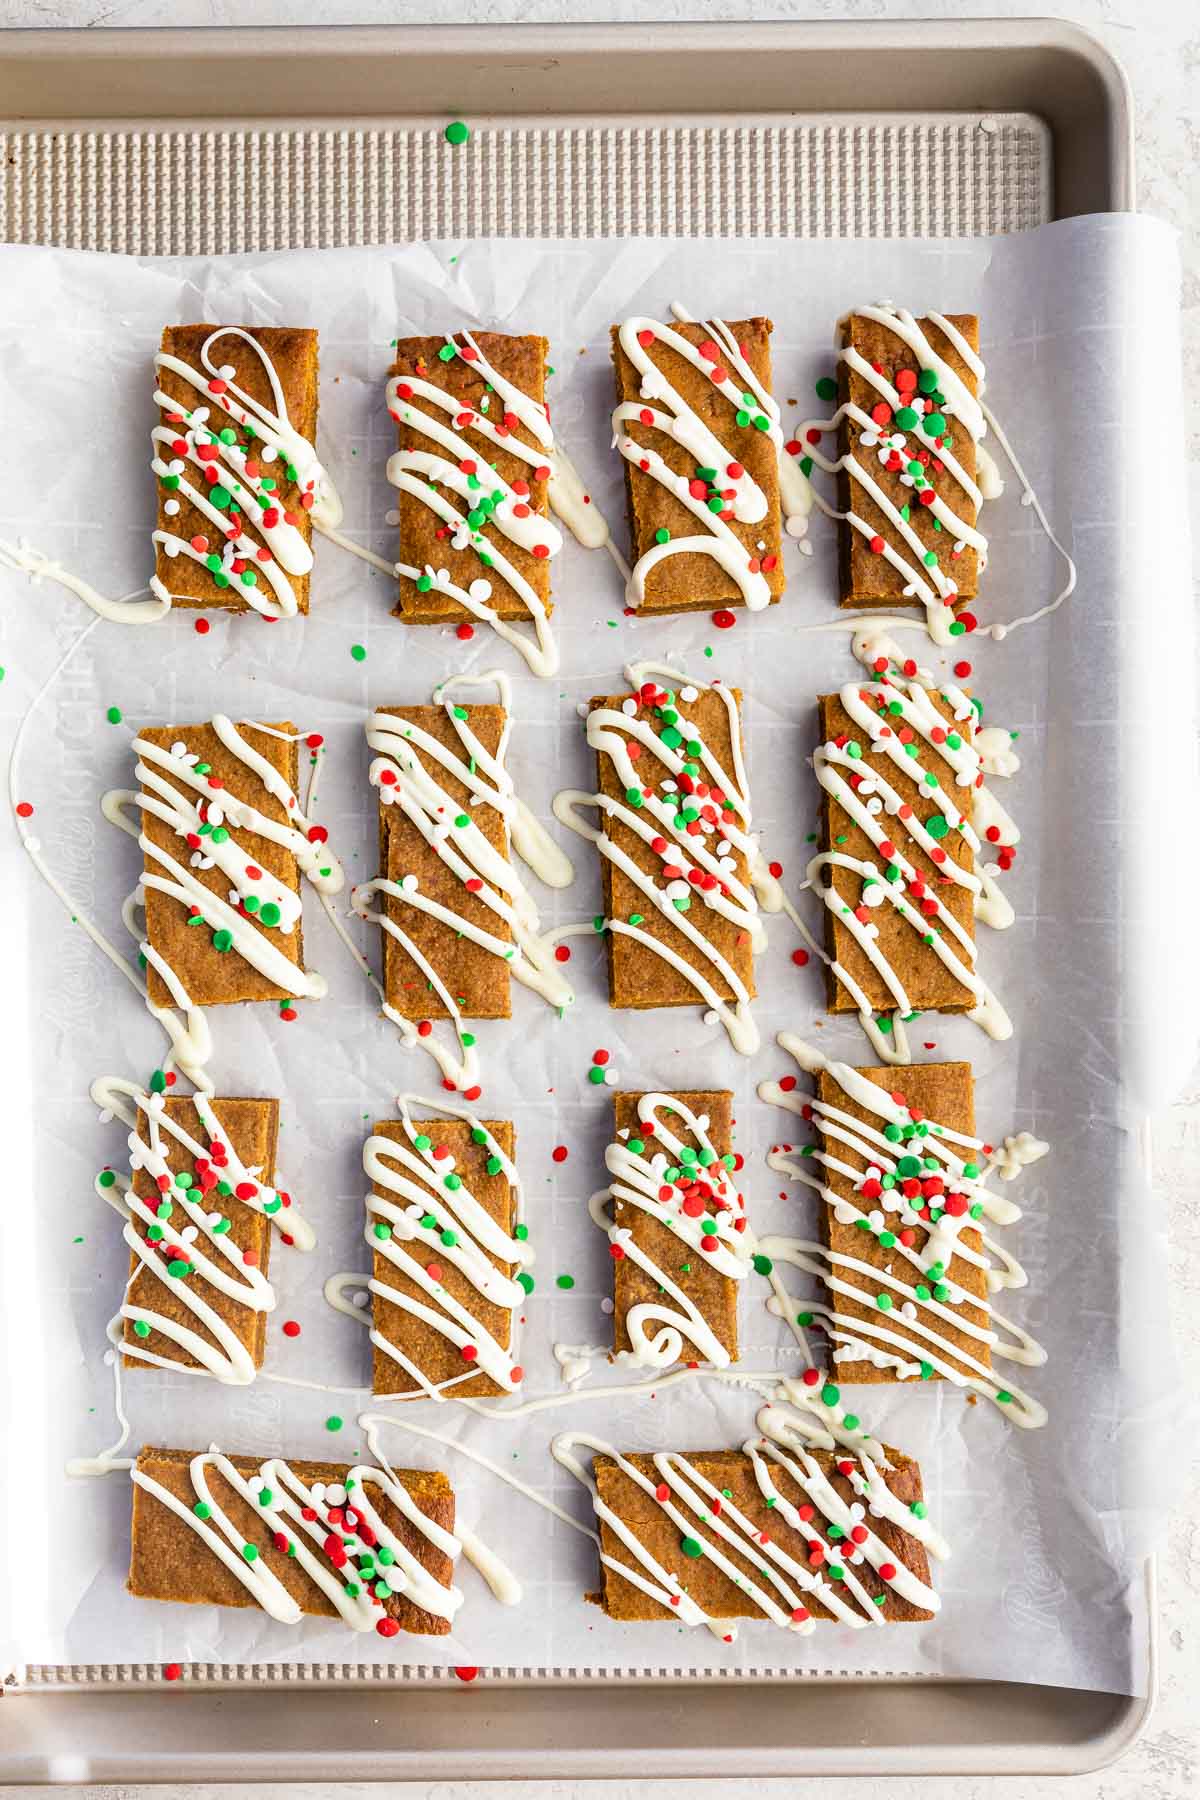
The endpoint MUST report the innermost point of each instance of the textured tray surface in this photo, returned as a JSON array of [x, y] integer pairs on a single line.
[[212, 192]]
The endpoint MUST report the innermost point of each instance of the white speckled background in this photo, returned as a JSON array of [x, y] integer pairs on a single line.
[[1159, 43]]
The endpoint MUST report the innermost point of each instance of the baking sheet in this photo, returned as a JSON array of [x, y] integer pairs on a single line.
[[1080, 335]]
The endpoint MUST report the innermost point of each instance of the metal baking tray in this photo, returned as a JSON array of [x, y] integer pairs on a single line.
[[582, 130]]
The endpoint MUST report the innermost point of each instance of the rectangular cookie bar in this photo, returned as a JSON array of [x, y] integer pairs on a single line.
[[233, 525], [931, 899], [476, 977], [455, 515], [701, 1195], [942, 1094], [469, 1330], [250, 1129], [174, 1552], [922, 387], [674, 1555], [712, 399], [667, 901], [206, 956]]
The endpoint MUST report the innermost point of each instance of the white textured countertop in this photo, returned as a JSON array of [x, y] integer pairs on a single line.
[[1158, 41]]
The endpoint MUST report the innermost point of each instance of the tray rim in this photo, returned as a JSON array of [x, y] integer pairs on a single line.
[[26, 50], [477, 48]]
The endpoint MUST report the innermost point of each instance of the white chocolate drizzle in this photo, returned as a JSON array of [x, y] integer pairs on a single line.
[[920, 1177], [716, 358], [198, 1238], [248, 483], [407, 771], [697, 865], [426, 1217]]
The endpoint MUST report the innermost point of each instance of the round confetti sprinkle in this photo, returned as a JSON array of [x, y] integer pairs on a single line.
[[564, 1281], [458, 132], [724, 619], [827, 388], [560, 1153], [358, 652], [465, 633], [114, 715], [291, 1328], [171, 1671], [24, 810], [333, 1423], [466, 1672], [800, 958], [203, 627]]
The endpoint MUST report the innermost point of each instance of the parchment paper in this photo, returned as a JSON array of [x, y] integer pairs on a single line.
[[1049, 1528]]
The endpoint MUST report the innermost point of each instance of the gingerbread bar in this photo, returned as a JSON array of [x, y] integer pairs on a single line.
[[700, 437], [444, 1220], [238, 476], [174, 1313], [472, 472], [924, 1308], [678, 1230], [428, 777], [679, 865], [909, 481], [220, 817], [318, 1538], [759, 1533], [897, 870]]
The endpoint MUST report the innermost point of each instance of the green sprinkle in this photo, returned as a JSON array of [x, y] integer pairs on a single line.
[[458, 132], [202, 1509], [114, 715], [762, 1264], [250, 1552], [692, 1547], [826, 388], [333, 1423], [564, 1281], [141, 1328], [106, 1178], [359, 651]]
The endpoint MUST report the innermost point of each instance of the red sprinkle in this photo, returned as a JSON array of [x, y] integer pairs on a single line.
[[723, 619], [962, 670], [562, 953], [203, 626], [24, 810], [465, 632], [291, 1328], [465, 1673], [800, 958], [171, 1671], [560, 1153]]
